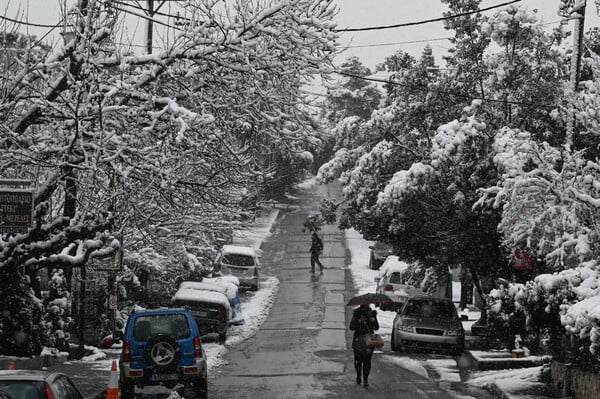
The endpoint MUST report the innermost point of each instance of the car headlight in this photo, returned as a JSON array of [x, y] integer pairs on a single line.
[[454, 332], [406, 328]]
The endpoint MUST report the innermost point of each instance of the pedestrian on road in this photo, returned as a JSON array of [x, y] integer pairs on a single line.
[[364, 321], [316, 248]]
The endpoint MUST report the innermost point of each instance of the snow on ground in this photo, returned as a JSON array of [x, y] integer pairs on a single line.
[[413, 365], [512, 382]]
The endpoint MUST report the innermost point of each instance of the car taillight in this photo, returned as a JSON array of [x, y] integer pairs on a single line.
[[256, 272], [127, 351], [197, 347], [49, 394], [389, 287], [222, 314], [218, 268]]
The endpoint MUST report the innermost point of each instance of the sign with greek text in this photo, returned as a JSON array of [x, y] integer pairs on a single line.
[[16, 210]]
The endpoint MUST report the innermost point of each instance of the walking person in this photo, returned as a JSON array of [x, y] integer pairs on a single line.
[[364, 321], [316, 248]]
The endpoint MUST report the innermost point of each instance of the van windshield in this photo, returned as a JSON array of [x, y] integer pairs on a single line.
[[238, 260], [174, 325]]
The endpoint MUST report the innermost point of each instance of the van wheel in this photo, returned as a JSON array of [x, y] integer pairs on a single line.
[[395, 348], [126, 391], [198, 389]]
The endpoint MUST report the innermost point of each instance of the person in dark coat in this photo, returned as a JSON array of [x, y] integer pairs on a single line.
[[316, 248], [364, 321]]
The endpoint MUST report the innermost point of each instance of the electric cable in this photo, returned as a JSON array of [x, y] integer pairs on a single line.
[[16, 21], [426, 21]]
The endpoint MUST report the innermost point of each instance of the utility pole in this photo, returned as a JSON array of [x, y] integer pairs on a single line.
[[576, 11]]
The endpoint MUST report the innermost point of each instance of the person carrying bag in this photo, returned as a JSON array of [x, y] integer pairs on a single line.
[[364, 321]]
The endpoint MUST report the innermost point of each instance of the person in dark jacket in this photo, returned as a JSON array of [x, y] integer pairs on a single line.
[[316, 247], [364, 321]]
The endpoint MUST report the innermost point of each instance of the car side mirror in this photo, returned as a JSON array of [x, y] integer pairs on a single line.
[[118, 336], [464, 317], [376, 279], [371, 247]]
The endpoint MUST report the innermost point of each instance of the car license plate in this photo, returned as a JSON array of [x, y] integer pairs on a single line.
[[164, 377]]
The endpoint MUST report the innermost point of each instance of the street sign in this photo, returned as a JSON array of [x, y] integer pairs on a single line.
[[112, 264], [16, 210], [521, 260]]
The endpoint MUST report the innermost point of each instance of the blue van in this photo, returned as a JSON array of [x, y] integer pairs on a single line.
[[162, 347]]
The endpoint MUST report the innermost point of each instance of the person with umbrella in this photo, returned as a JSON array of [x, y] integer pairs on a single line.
[[364, 321]]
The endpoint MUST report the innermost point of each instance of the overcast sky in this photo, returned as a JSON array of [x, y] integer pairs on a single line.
[[371, 47]]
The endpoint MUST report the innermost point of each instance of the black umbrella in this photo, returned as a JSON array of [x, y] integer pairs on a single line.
[[370, 299]]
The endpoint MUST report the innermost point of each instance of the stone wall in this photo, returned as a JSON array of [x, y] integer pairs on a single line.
[[573, 383]]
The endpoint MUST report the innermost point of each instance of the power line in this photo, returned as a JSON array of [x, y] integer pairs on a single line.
[[425, 88], [426, 21], [16, 21], [428, 40], [397, 43]]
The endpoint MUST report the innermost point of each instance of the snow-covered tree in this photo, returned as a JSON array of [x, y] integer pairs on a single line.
[[134, 150], [352, 96]]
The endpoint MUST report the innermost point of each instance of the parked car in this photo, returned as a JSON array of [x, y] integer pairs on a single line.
[[162, 347], [34, 384], [428, 323], [379, 252], [241, 262], [228, 285], [392, 282], [211, 309]]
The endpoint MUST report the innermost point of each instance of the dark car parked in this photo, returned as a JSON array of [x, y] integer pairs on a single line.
[[379, 252], [34, 384], [162, 347], [428, 323], [211, 309]]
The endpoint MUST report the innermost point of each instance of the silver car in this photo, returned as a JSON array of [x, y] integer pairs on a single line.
[[33, 384], [241, 262], [428, 323]]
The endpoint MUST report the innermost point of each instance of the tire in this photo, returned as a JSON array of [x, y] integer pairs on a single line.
[[458, 350], [395, 348], [126, 391], [197, 389], [162, 351], [222, 337]]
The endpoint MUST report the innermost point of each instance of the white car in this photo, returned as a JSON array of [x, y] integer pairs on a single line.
[[241, 262], [392, 282]]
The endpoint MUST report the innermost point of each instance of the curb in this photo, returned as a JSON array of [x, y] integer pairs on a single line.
[[32, 363], [499, 393]]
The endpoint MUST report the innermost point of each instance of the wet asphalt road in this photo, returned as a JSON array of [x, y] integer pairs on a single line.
[[303, 349]]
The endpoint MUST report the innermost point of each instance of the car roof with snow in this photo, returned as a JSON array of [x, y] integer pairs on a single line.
[[393, 264], [238, 249], [212, 284], [189, 294]]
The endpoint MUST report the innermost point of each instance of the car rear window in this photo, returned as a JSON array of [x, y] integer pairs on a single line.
[[381, 245], [23, 389], [174, 325], [396, 278], [238, 260], [430, 309]]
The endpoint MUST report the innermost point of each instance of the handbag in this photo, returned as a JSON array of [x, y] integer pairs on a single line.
[[373, 340]]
